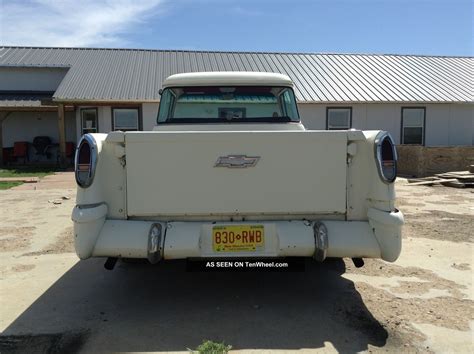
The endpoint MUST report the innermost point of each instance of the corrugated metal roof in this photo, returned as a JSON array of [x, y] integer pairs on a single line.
[[136, 75], [23, 99]]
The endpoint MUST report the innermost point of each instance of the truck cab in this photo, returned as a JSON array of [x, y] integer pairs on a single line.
[[230, 171]]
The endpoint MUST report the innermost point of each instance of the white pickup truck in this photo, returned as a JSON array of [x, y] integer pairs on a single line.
[[230, 171]]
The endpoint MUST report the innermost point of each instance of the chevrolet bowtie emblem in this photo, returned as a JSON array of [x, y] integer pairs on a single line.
[[237, 161]]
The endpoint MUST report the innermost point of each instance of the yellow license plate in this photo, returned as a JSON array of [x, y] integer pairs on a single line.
[[238, 238]]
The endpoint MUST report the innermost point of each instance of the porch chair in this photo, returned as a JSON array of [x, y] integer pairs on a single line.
[[42, 145], [70, 151], [20, 150]]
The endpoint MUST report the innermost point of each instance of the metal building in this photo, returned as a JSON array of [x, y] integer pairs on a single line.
[[423, 101]]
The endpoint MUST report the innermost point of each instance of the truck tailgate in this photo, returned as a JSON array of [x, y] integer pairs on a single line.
[[174, 174]]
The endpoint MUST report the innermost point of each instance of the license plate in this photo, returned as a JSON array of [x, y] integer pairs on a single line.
[[238, 238]]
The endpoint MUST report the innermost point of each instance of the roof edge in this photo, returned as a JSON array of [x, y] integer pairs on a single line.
[[89, 101], [37, 66], [235, 51]]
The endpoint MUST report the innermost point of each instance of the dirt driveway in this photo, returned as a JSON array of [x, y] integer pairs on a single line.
[[51, 302]]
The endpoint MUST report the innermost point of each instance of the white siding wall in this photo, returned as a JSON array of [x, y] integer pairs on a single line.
[[383, 117], [313, 116], [446, 124], [438, 121], [461, 128], [149, 114], [105, 119]]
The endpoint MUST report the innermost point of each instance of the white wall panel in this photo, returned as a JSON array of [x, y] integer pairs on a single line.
[[461, 127], [313, 116], [437, 122], [149, 114], [105, 119]]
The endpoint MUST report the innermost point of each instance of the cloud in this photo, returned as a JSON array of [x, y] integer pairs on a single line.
[[245, 11], [73, 23]]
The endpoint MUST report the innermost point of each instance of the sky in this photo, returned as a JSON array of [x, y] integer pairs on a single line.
[[427, 27]]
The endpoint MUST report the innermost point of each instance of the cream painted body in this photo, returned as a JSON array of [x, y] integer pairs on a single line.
[[160, 177], [167, 180], [171, 174]]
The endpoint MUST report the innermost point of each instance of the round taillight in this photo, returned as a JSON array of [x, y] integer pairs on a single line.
[[386, 157], [85, 161]]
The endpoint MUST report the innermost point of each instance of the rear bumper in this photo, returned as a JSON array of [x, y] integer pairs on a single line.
[[97, 236]]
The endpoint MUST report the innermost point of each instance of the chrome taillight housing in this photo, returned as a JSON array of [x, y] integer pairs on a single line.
[[386, 157], [85, 161]]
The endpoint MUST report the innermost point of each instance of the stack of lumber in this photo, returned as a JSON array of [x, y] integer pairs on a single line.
[[457, 179], [463, 179]]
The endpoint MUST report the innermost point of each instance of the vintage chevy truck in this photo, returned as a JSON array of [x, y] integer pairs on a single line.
[[230, 171]]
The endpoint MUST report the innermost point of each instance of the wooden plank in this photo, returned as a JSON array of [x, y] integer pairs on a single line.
[[424, 179], [464, 178], [456, 173], [457, 184], [20, 179], [427, 183]]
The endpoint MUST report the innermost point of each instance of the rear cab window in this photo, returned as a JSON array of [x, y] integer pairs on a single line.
[[229, 104]]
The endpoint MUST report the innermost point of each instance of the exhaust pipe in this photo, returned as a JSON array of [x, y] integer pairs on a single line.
[[110, 263], [358, 262], [320, 241]]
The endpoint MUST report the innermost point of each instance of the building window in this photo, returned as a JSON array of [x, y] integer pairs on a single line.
[[413, 125], [338, 118], [89, 120], [126, 119]]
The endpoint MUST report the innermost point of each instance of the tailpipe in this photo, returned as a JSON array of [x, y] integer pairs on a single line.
[[321, 241], [155, 247], [110, 263], [358, 262]]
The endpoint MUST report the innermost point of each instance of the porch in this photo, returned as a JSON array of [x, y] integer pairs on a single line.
[[36, 130]]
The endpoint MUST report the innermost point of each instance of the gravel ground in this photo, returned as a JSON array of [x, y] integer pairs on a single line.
[[51, 302]]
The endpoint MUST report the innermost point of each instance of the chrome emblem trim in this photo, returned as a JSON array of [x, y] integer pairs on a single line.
[[237, 161]]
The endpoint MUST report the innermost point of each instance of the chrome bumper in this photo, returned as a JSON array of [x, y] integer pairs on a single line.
[[96, 236]]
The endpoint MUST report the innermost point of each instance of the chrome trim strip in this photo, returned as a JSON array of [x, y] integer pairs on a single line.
[[89, 206]]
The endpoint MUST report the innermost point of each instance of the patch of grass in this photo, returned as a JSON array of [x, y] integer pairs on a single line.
[[8, 185], [27, 171], [210, 347]]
